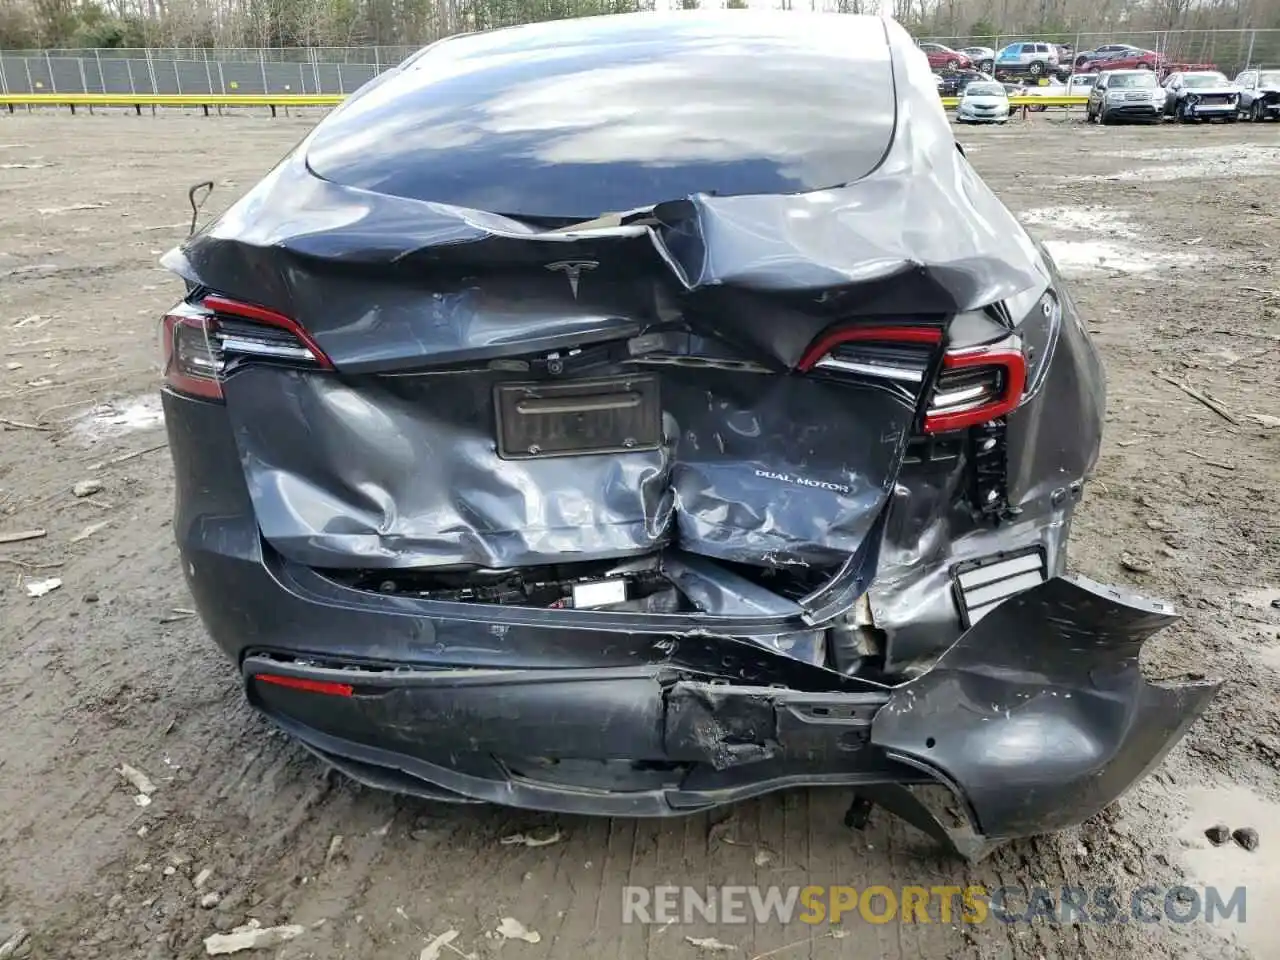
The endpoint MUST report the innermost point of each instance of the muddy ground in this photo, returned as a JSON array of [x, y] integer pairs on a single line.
[[1171, 236]]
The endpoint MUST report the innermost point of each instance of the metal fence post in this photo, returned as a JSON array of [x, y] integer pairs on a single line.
[[48, 62], [208, 71], [1248, 60], [262, 63]]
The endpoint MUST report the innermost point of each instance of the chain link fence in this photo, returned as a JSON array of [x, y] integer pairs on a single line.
[[340, 70], [146, 72]]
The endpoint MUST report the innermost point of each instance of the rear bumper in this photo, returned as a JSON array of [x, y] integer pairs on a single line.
[[1036, 717]]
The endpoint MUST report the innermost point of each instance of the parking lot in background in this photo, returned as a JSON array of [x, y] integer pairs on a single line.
[[1170, 237]]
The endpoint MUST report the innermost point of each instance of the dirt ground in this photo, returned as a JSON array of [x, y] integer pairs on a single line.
[[1171, 237]]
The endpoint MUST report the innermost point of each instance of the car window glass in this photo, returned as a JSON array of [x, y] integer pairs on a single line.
[[1134, 81]]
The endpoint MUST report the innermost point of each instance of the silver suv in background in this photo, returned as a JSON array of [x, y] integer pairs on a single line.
[[1032, 57], [1126, 95]]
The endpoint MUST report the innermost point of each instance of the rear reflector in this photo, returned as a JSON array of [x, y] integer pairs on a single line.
[[980, 589], [327, 687]]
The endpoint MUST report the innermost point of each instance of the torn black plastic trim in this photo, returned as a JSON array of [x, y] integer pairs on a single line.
[[1039, 714]]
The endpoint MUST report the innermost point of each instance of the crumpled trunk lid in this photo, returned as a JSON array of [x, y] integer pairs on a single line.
[[509, 393], [429, 470]]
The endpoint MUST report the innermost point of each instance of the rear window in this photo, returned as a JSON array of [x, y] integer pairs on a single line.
[[580, 118]]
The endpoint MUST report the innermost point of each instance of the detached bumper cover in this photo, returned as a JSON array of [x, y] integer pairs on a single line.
[[1037, 718]]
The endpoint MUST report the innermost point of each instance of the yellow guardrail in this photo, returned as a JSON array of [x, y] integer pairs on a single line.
[[172, 99], [311, 100], [1030, 101]]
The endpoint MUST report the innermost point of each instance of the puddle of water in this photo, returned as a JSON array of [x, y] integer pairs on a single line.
[[1230, 866], [1086, 257], [120, 417], [1082, 220]]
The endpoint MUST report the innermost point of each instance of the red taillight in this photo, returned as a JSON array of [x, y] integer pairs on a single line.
[[191, 365], [202, 342], [825, 344], [976, 385], [327, 687], [270, 318]]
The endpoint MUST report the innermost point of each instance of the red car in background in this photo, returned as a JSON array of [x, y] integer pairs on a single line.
[[1132, 58], [941, 57]]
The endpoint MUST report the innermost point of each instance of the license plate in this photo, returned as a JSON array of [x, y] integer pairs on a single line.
[[577, 417]]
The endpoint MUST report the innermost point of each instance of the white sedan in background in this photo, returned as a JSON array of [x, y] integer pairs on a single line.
[[983, 102]]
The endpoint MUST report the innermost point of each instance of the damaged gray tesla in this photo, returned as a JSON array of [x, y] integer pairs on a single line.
[[635, 414]]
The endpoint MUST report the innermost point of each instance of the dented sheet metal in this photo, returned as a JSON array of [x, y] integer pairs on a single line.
[[768, 467], [405, 472]]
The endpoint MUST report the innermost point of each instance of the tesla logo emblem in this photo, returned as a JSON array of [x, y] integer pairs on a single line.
[[573, 270]]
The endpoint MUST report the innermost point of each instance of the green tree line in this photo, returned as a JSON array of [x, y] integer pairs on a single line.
[[279, 23]]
